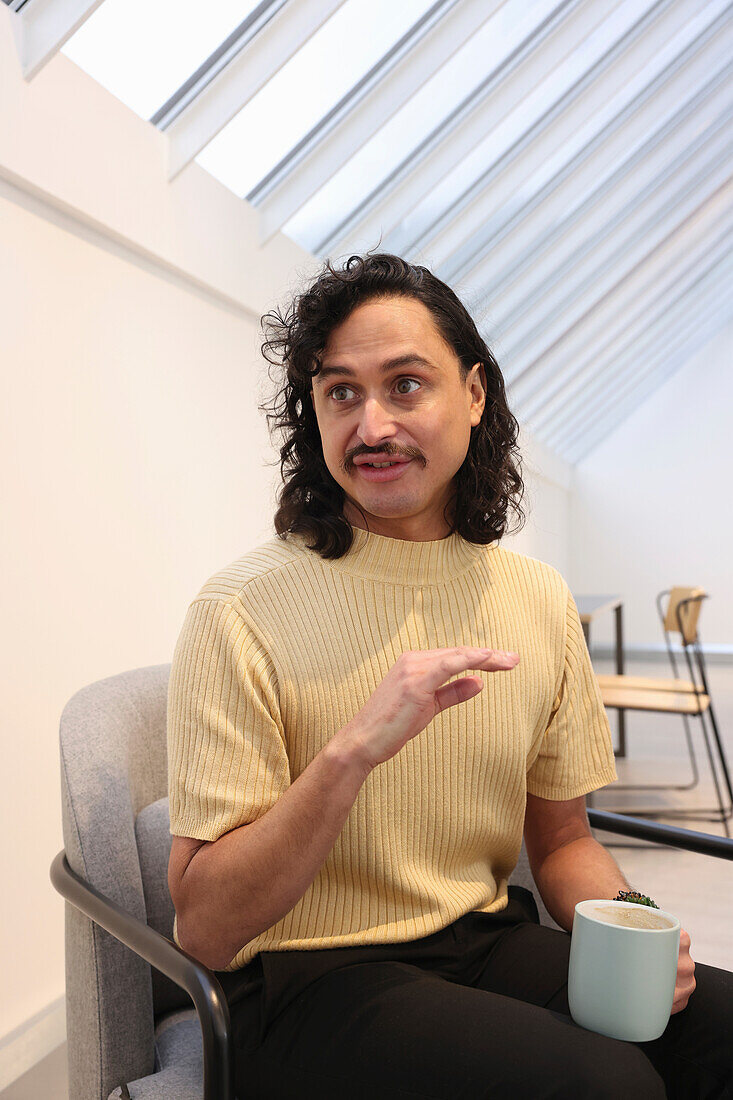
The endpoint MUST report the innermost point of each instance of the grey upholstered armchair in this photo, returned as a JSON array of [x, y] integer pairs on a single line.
[[145, 1020]]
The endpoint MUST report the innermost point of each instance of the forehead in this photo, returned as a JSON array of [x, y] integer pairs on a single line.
[[387, 325]]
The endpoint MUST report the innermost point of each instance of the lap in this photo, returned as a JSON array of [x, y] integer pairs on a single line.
[[389, 1027], [393, 1030], [473, 1011]]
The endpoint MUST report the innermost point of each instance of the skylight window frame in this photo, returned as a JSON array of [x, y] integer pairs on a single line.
[[491, 273], [702, 326], [649, 216], [640, 336], [223, 55], [236, 82], [44, 26], [465, 262], [693, 242], [400, 72], [696, 161], [614, 272], [457, 134], [464, 215]]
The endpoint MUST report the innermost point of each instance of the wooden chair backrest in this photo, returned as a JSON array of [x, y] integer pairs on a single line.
[[690, 614]]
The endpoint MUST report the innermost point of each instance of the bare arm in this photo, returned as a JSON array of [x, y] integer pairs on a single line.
[[230, 890], [578, 870], [562, 872]]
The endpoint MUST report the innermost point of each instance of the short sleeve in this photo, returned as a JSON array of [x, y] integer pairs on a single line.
[[227, 761], [576, 750]]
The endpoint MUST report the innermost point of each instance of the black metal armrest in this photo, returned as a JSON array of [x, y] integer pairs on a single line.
[[707, 844], [199, 982]]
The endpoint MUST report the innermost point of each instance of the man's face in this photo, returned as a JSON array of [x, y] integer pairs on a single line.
[[416, 410]]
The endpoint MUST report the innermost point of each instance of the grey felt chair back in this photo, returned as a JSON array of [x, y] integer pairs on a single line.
[[116, 836], [126, 1022]]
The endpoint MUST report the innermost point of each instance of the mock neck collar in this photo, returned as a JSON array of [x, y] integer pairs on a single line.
[[401, 561]]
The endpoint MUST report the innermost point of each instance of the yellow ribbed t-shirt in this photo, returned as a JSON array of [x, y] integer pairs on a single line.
[[280, 649]]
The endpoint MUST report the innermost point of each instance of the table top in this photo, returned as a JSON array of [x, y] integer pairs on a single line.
[[590, 607]]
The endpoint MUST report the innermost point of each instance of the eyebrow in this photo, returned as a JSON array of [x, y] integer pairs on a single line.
[[410, 359]]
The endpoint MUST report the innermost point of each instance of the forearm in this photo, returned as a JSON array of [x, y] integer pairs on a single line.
[[579, 870], [247, 880]]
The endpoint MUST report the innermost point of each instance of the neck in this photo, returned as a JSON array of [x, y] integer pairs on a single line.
[[406, 528]]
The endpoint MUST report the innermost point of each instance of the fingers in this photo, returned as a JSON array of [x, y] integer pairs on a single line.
[[686, 983], [502, 656], [458, 691], [463, 657], [449, 662]]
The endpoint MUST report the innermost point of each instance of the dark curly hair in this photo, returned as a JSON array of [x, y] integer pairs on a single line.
[[310, 501]]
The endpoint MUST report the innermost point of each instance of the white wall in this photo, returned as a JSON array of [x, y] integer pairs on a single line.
[[134, 465], [546, 503], [133, 455], [651, 504]]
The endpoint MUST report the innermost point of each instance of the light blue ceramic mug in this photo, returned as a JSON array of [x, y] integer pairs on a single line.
[[621, 979]]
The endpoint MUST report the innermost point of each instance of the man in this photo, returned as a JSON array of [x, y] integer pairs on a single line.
[[345, 813]]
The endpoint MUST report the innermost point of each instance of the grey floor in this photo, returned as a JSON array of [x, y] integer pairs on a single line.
[[698, 889]]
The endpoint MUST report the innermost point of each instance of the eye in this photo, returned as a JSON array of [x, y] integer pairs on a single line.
[[343, 386]]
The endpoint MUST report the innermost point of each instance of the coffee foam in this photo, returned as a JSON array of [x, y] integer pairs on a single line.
[[629, 916]]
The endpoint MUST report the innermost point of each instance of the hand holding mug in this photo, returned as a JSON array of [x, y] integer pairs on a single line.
[[623, 969]]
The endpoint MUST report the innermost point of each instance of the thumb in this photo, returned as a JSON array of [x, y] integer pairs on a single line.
[[458, 691]]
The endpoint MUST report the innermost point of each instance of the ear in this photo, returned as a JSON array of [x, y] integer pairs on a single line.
[[480, 376]]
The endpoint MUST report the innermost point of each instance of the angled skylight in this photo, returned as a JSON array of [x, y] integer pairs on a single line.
[[503, 132], [306, 88], [143, 51], [369, 169]]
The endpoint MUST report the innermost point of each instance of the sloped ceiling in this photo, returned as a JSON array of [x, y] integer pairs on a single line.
[[565, 167]]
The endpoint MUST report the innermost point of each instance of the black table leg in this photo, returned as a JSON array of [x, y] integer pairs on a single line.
[[620, 672]]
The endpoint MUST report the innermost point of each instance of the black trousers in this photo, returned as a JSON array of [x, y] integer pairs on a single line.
[[476, 1010]]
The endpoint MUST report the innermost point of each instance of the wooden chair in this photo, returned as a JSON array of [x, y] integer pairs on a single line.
[[688, 698]]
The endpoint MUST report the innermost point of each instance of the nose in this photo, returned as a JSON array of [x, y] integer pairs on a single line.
[[375, 424]]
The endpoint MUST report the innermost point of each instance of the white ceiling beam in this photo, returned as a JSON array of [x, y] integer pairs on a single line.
[[379, 95], [544, 211], [220, 94], [704, 238], [641, 266], [641, 339], [566, 120], [643, 388], [539, 120], [617, 345], [632, 201], [588, 416], [541, 51], [42, 27], [612, 240], [609, 403], [654, 98]]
